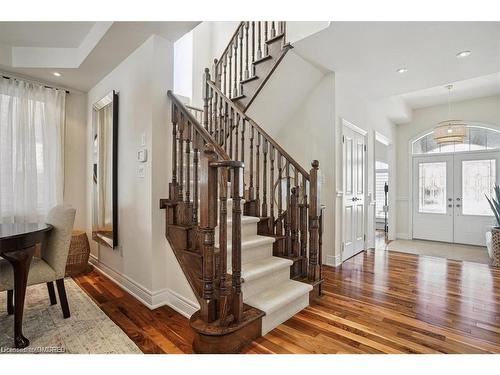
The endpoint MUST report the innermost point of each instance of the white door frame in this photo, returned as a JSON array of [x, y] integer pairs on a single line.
[[364, 134], [410, 166]]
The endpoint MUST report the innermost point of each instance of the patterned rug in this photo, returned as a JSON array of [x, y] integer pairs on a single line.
[[87, 331]]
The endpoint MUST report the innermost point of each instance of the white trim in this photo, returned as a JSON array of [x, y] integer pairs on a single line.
[[351, 126], [403, 236], [333, 260], [382, 139], [151, 300]]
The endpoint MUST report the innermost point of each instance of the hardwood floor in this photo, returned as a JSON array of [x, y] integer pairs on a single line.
[[376, 302]]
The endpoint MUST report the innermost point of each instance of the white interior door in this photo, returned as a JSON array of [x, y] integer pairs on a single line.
[[433, 198], [354, 192], [475, 174]]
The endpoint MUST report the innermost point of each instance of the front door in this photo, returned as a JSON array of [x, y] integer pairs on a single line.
[[354, 192], [449, 201]]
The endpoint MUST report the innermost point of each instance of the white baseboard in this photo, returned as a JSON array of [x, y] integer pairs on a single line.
[[333, 260], [151, 300]]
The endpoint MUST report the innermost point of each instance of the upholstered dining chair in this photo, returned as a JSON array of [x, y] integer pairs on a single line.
[[52, 264]]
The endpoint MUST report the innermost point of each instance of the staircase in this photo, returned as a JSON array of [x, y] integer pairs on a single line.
[[242, 216]]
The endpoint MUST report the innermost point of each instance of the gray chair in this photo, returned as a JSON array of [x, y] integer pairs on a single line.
[[52, 264]]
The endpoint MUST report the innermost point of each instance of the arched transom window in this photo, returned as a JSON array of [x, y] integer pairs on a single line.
[[477, 138]]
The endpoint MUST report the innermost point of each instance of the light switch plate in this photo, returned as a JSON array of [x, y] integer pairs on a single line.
[[141, 171], [142, 155]]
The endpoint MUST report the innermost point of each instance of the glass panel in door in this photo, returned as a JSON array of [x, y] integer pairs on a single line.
[[478, 178], [432, 188]]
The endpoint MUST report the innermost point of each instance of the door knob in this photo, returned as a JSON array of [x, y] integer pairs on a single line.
[[450, 205], [458, 199], [449, 199], [458, 205], [353, 199]]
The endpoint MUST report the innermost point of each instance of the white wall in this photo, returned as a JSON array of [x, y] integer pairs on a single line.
[[75, 160], [183, 65], [143, 263], [485, 110]]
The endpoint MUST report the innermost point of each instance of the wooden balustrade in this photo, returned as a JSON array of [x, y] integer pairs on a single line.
[[276, 186], [247, 45], [209, 148]]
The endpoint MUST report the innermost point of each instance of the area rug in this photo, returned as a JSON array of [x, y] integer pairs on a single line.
[[87, 331], [458, 252]]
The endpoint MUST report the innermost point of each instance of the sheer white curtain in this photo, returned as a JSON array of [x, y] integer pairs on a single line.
[[31, 150]]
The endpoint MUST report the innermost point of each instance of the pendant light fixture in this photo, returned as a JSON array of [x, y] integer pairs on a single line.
[[450, 131]]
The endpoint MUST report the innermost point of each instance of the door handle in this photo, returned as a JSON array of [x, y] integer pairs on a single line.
[[450, 205], [458, 199], [449, 199], [458, 205]]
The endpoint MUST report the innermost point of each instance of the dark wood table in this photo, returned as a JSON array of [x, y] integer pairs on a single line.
[[17, 245]]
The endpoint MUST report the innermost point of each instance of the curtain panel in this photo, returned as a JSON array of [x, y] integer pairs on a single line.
[[32, 122]]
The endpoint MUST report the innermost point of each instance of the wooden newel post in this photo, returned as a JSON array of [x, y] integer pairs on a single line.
[[206, 98], [237, 187], [208, 222], [314, 271]]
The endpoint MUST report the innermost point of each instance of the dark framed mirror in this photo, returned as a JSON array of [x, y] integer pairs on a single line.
[[105, 170]]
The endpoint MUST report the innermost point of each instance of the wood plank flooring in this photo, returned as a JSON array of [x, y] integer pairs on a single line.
[[376, 302]]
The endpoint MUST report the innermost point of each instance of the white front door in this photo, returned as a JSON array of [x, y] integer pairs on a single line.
[[354, 192], [433, 198], [475, 175], [449, 202]]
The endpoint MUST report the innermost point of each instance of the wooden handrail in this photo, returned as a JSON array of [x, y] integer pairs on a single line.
[[200, 129], [269, 139]]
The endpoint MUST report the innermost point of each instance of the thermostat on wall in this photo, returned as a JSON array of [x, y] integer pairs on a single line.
[[142, 155]]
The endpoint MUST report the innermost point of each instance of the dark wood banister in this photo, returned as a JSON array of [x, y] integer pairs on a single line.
[[261, 131], [200, 129]]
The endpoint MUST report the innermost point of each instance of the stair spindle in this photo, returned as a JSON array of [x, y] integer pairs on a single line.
[[235, 87], [264, 179], [273, 30], [266, 51], [271, 191], [279, 224], [173, 185], [303, 227], [247, 72], [181, 158], [187, 134], [288, 211], [257, 176], [241, 57], [229, 81], [196, 142], [224, 68], [259, 48], [251, 196], [230, 129]]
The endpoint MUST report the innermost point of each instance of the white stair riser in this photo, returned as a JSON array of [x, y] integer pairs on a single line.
[[271, 321], [247, 230], [252, 287], [252, 254]]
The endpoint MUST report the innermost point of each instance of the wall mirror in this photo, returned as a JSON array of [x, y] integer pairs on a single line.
[[104, 170]]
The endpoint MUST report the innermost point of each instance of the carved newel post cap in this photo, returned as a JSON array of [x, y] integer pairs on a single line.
[[315, 164]]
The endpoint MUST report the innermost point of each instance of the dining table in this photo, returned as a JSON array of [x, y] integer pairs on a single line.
[[17, 246]]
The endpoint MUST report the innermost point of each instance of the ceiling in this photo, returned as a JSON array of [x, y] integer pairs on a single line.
[[83, 52], [367, 55], [44, 34]]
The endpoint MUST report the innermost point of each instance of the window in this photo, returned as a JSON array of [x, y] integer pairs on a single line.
[[477, 138], [31, 150], [478, 179], [381, 178]]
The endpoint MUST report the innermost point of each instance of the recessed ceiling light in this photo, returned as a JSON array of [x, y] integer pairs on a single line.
[[463, 54], [402, 70], [57, 74]]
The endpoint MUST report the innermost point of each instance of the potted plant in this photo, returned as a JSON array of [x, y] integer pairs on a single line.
[[495, 231]]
